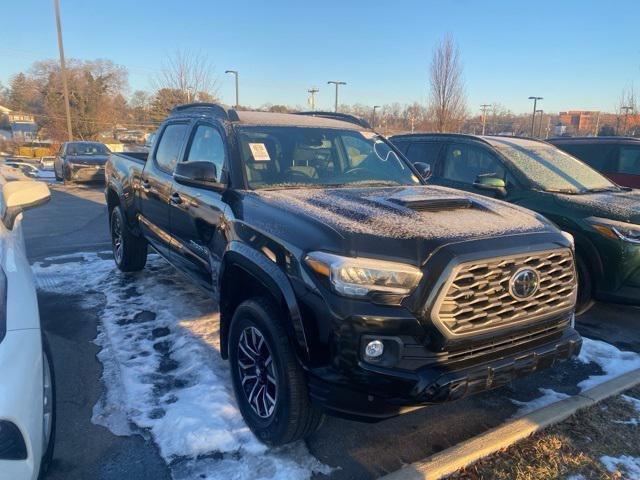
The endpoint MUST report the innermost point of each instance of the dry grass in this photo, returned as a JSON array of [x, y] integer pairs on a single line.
[[572, 447]]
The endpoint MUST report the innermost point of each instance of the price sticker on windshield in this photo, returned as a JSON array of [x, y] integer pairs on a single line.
[[259, 152]]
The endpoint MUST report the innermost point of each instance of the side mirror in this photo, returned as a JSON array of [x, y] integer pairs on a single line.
[[198, 174], [491, 184], [19, 196], [424, 169]]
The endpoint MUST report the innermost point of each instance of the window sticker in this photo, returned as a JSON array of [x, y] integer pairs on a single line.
[[259, 152]]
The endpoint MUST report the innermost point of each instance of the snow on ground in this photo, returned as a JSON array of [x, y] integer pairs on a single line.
[[625, 464], [613, 362], [548, 397], [636, 404], [163, 371]]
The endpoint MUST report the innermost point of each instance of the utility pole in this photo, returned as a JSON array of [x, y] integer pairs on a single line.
[[373, 118], [337, 84], [533, 117], [540, 127], [626, 114], [63, 70], [312, 91], [235, 74], [484, 108]]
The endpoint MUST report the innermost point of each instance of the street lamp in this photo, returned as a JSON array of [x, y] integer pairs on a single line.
[[626, 114], [533, 117], [540, 127], [484, 108], [337, 84], [235, 73], [312, 91], [373, 119]]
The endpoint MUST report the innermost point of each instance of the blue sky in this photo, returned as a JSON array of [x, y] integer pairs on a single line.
[[575, 54]]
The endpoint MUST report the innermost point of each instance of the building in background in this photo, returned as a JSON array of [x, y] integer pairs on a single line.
[[23, 127]]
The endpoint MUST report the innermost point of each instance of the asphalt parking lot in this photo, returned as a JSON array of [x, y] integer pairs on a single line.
[[75, 221]]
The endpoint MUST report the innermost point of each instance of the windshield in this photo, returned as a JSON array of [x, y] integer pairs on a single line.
[[279, 157], [87, 149], [553, 170]]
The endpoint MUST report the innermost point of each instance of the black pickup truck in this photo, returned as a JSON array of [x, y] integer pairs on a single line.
[[346, 284]]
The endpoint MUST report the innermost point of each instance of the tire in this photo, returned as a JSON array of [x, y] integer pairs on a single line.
[[292, 416], [55, 171], [585, 286], [66, 176], [129, 250], [49, 401]]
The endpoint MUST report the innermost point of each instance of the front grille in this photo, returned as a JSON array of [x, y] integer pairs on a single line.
[[477, 297]]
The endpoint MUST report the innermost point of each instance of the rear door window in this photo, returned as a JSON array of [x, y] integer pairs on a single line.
[[170, 146], [629, 160]]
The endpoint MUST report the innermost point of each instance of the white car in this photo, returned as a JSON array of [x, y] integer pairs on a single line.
[[27, 392], [46, 163]]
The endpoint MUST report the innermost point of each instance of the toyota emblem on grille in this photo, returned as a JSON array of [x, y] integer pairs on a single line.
[[524, 284]]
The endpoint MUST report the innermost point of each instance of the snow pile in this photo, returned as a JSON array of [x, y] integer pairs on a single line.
[[164, 373], [372, 211], [548, 397], [613, 362], [625, 464]]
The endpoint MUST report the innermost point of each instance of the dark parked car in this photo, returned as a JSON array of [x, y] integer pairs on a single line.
[[81, 161], [603, 218], [346, 285], [616, 157]]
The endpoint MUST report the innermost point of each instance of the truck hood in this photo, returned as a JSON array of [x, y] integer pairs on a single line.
[[621, 206], [392, 222]]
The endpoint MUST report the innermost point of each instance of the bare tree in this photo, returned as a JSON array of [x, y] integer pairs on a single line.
[[191, 75], [447, 101]]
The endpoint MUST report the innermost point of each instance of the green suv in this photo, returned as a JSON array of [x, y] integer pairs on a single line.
[[603, 217]]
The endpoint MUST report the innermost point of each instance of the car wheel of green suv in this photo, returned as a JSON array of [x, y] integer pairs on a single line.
[[269, 384], [585, 287]]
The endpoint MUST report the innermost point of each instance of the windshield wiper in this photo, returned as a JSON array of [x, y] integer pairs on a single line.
[[600, 190], [567, 191], [365, 183]]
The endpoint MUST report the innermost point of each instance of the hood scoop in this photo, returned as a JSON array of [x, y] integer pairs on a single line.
[[432, 204]]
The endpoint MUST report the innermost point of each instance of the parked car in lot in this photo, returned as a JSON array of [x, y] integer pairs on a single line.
[[616, 157], [27, 391], [346, 284], [47, 163], [81, 161], [603, 218]]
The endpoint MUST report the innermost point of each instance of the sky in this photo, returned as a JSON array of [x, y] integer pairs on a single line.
[[575, 54]]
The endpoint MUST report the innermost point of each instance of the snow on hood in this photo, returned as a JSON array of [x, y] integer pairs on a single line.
[[623, 206], [398, 212]]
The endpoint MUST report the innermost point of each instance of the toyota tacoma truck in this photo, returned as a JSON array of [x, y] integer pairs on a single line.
[[346, 284]]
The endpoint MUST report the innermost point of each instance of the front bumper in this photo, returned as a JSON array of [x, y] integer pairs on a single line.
[[21, 398], [85, 172], [399, 390]]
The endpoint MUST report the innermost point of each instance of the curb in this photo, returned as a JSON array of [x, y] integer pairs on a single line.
[[465, 453]]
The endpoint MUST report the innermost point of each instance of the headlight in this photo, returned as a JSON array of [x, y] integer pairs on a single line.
[[357, 277], [3, 304], [627, 232]]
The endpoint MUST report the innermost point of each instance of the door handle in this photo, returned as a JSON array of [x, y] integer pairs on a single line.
[[176, 199]]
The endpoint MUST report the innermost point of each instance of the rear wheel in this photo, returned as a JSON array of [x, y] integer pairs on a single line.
[[48, 408], [585, 287], [129, 250], [269, 384]]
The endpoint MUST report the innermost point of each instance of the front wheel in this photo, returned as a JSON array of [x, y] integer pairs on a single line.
[[48, 408], [585, 287], [269, 384], [129, 250]]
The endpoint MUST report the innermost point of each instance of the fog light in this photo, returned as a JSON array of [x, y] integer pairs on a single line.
[[374, 349]]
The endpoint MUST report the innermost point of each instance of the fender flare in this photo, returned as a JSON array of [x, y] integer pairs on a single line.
[[589, 254], [274, 280], [128, 210]]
